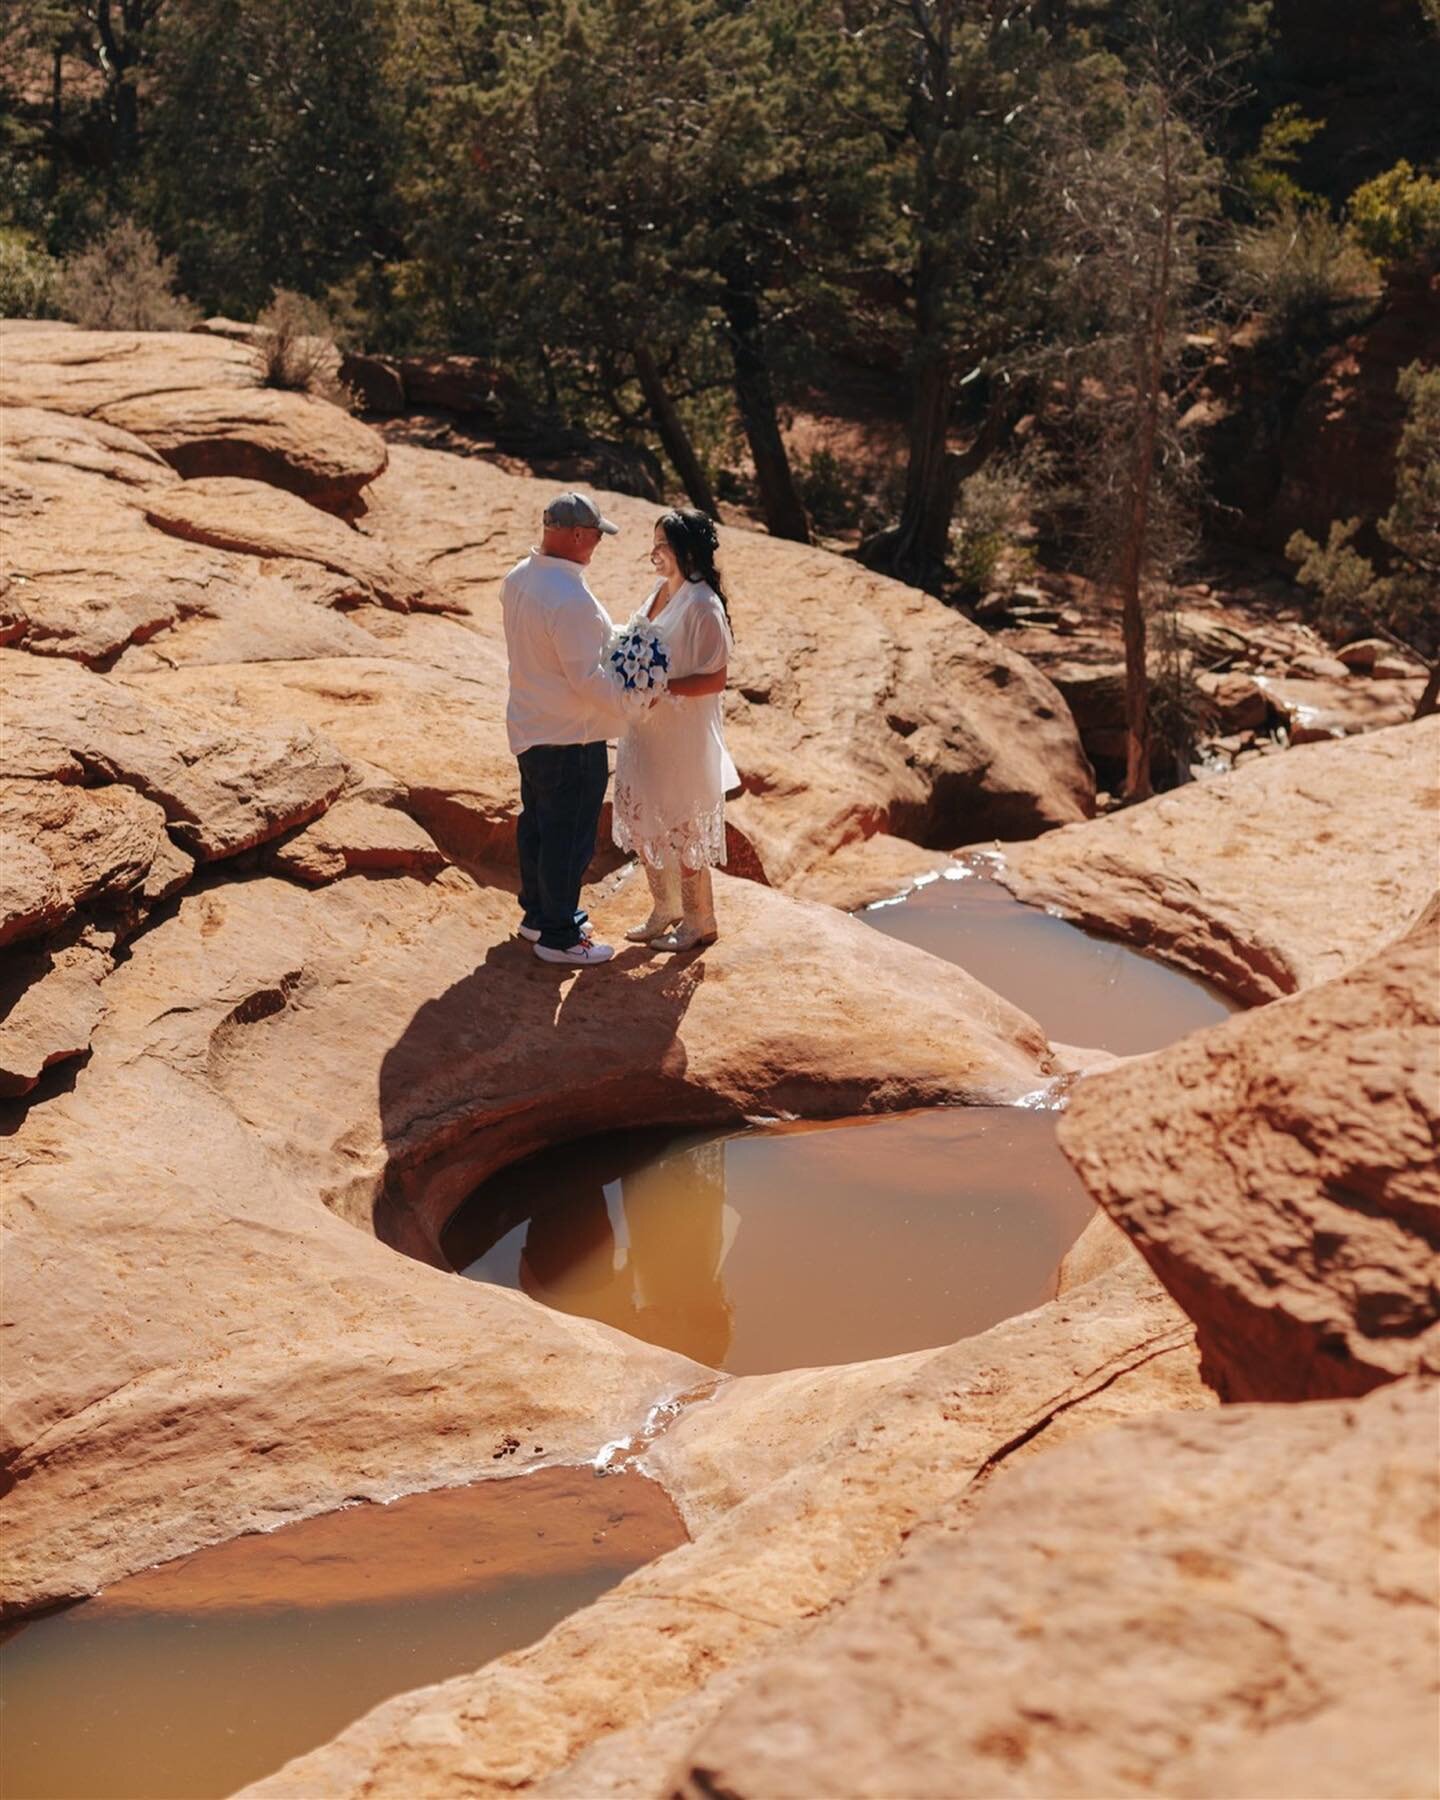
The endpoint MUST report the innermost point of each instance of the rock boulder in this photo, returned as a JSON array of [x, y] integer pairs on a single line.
[[1279, 1175]]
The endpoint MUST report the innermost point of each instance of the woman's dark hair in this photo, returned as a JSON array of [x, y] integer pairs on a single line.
[[691, 534]]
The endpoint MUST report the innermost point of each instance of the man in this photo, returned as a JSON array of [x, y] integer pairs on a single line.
[[563, 707]]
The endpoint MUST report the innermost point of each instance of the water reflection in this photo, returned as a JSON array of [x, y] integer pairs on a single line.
[[1081, 988], [617, 1235], [797, 1245]]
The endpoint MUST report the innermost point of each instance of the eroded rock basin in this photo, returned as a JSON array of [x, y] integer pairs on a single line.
[[194, 1678], [1083, 988], [787, 1246]]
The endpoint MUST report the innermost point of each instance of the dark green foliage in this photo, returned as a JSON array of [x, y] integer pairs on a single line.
[[1402, 599], [270, 149]]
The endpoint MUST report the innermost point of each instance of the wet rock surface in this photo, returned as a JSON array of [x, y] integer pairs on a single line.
[[797, 1488]]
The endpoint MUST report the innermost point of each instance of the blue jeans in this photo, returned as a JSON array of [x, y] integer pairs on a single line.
[[562, 788]]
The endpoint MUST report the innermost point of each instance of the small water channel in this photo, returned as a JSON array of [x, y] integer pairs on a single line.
[[195, 1678], [786, 1246], [1082, 988]]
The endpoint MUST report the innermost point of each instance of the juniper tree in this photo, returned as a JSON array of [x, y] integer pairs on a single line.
[[1136, 192]]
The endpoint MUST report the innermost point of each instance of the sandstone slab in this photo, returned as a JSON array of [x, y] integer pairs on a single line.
[[1316, 710], [1265, 880], [1279, 1174], [438, 735], [260, 520], [50, 1005], [100, 843], [1142, 1612], [195, 399], [358, 834], [223, 789]]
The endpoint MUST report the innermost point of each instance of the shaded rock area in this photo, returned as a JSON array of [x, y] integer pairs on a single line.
[[1266, 880], [1264, 680], [1280, 1175]]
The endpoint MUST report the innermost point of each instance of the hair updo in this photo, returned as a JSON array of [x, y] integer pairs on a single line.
[[692, 535]]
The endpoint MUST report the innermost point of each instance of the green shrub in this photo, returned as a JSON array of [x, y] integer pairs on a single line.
[[833, 491], [992, 507], [1265, 175], [1396, 217], [28, 278], [121, 282], [1306, 274]]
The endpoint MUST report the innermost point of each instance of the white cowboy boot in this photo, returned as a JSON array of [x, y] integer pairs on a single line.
[[666, 903], [698, 924]]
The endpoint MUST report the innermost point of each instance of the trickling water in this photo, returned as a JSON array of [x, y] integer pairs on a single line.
[[1081, 988], [788, 1246], [195, 1678]]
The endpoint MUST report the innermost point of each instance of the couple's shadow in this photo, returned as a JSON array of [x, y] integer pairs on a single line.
[[520, 1054]]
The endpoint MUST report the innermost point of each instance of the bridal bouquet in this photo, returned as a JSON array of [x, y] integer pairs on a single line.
[[638, 662]]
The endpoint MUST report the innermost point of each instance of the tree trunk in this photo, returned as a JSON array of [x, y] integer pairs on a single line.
[[917, 549], [57, 113], [1150, 370], [1429, 701], [673, 434], [779, 498]]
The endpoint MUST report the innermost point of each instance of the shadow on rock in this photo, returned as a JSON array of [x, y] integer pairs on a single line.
[[517, 1055]]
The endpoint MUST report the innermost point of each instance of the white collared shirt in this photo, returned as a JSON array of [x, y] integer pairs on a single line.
[[556, 633]]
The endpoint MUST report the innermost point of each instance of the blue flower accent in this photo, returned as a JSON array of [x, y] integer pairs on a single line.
[[640, 661]]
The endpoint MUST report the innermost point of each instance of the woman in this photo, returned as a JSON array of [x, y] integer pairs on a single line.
[[672, 770]]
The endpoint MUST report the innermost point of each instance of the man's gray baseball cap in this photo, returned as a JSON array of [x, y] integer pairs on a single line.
[[569, 510]]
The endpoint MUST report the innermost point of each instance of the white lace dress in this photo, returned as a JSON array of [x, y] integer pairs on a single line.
[[672, 770]]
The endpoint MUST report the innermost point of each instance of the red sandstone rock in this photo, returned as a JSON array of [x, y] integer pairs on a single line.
[[1317, 710], [1279, 1175], [1233, 1603], [1265, 880], [258, 520], [222, 789], [197, 401], [98, 843], [800, 1488], [358, 834]]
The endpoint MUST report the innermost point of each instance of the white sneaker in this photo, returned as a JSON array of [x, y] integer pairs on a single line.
[[530, 933], [578, 956]]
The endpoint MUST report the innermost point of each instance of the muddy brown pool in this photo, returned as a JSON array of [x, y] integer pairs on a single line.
[[195, 1678], [788, 1246], [1082, 988]]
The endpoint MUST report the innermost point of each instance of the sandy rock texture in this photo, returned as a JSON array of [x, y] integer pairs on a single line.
[[198, 401], [1279, 1173], [1141, 1612], [799, 1487], [1265, 880]]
